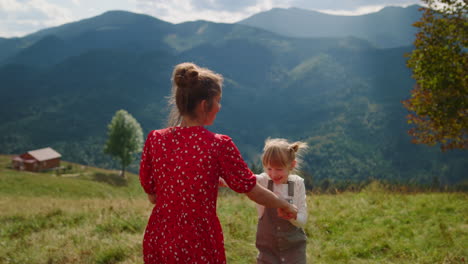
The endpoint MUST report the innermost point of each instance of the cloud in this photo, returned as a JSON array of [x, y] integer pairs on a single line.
[[366, 9], [350, 5], [227, 11], [356, 12], [234, 6], [230, 11], [21, 17]]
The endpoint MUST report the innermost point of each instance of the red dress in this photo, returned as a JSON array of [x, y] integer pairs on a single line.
[[182, 166]]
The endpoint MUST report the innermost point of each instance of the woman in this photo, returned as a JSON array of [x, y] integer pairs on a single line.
[[180, 170]]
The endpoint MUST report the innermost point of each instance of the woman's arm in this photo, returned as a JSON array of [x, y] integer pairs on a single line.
[[265, 197], [146, 165]]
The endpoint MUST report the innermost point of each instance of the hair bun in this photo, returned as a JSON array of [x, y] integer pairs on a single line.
[[185, 74]]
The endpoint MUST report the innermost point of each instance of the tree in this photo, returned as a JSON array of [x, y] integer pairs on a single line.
[[125, 138], [439, 101]]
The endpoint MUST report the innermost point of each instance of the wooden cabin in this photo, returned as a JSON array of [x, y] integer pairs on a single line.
[[37, 160]]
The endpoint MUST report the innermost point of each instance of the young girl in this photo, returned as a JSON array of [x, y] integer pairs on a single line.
[[180, 169], [279, 240]]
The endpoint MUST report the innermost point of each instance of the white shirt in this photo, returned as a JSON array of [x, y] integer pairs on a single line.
[[299, 198]]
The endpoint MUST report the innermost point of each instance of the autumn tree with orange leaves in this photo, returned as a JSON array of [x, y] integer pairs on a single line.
[[439, 101]]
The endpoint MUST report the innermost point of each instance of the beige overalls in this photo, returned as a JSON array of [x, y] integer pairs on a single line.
[[279, 241]]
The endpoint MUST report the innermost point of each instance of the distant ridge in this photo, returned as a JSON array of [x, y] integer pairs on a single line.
[[388, 28], [106, 21], [113, 29]]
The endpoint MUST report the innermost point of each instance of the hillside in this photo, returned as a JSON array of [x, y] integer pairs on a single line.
[[64, 219], [72, 181], [341, 95], [389, 28]]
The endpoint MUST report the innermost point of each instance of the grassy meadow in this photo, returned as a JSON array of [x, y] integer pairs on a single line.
[[88, 215]]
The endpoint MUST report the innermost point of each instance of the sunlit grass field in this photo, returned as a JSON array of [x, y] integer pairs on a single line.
[[89, 215]]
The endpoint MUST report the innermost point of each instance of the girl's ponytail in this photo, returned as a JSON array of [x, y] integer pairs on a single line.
[[298, 146]]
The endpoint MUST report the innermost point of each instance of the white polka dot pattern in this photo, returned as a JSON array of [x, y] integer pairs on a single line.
[[182, 167]]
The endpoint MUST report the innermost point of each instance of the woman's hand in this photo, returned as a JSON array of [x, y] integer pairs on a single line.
[[267, 198], [289, 212], [152, 198]]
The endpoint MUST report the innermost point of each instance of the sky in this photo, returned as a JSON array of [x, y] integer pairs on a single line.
[[21, 17]]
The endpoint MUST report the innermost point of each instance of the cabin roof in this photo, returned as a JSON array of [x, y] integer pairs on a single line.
[[44, 154]]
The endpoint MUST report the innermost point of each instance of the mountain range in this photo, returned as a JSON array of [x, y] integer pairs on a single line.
[[341, 92], [387, 28]]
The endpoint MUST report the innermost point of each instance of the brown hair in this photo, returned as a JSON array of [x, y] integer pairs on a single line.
[[190, 85], [279, 152]]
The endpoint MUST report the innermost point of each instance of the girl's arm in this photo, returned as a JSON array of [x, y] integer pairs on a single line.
[[260, 208], [300, 202], [265, 197]]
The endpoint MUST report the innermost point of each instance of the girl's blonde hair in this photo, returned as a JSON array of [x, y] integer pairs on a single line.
[[279, 152], [190, 85]]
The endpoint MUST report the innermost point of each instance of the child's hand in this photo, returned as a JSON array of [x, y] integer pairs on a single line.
[[289, 212], [222, 183], [152, 198]]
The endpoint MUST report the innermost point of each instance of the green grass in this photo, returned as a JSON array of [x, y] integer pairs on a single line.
[[380, 227], [46, 218]]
